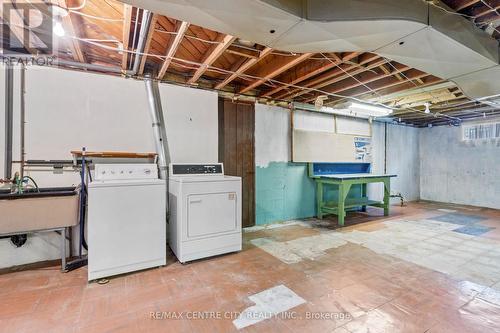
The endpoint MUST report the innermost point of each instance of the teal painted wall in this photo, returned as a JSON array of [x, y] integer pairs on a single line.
[[284, 192]]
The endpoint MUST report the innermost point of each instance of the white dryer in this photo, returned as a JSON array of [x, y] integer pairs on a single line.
[[205, 211]]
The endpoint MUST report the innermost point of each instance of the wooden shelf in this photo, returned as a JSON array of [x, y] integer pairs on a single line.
[[113, 154], [350, 203]]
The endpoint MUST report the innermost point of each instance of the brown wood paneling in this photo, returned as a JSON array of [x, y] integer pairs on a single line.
[[236, 150]]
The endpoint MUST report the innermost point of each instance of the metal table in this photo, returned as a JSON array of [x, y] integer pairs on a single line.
[[344, 183]]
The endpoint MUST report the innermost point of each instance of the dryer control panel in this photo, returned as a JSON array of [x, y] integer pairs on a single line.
[[182, 169]]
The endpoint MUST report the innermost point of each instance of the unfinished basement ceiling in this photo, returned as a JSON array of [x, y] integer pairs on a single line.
[[181, 52]]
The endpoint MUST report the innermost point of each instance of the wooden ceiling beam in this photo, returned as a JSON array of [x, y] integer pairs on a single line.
[[371, 77], [313, 73], [147, 46], [333, 74], [427, 80], [387, 71], [212, 55], [277, 70], [69, 27], [243, 68], [346, 74], [479, 12], [466, 4], [172, 49], [387, 83], [127, 23], [243, 52]]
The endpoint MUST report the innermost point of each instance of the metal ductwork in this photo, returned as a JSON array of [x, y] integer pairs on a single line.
[[412, 32], [158, 124], [141, 43]]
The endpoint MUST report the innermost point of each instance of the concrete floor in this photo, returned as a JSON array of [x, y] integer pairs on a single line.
[[427, 268]]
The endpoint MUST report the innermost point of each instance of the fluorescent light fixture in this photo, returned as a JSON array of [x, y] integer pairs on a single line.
[[369, 110], [348, 112]]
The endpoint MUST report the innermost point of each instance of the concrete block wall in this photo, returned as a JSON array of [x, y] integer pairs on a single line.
[[456, 171]]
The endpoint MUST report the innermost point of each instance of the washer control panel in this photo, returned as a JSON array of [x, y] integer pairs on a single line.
[[216, 169], [125, 171]]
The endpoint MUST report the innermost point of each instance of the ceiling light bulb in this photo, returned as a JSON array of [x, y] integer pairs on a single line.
[[58, 29], [427, 108]]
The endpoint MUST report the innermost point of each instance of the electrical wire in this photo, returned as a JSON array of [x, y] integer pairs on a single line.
[[350, 75], [273, 82], [84, 2], [173, 33], [375, 92], [420, 88], [108, 19]]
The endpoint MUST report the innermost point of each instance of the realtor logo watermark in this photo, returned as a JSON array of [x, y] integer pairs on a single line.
[[26, 32]]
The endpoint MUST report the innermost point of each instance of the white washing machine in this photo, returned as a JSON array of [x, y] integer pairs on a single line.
[[126, 221], [205, 211]]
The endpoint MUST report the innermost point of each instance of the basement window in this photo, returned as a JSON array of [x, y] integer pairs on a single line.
[[481, 131]]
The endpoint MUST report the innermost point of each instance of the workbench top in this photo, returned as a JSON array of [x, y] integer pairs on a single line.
[[357, 175]]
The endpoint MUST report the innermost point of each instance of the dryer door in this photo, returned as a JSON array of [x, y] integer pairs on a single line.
[[211, 213]]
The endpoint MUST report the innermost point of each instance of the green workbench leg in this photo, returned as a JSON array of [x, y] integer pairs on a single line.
[[319, 199], [364, 193], [343, 191], [387, 196]]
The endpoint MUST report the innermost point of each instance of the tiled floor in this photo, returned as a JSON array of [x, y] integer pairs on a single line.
[[411, 272]]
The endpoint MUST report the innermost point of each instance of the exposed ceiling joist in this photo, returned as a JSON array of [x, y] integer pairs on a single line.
[[312, 73], [172, 49], [371, 77], [344, 74], [213, 54], [69, 27], [330, 77], [282, 66], [466, 4], [479, 12], [127, 23], [389, 82], [243, 68]]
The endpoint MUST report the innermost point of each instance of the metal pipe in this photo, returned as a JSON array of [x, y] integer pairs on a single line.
[[141, 43], [9, 114], [22, 118], [160, 136], [158, 123], [93, 67], [135, 28]]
